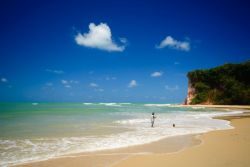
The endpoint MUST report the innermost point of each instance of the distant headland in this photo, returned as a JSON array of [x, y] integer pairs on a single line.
[[228, 84]]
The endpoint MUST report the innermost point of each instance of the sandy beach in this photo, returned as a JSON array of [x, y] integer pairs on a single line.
[[216, 148], [244, 107], [219, 148], [114, 156]]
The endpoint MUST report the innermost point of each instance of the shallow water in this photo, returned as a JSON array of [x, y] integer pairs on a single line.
[[38, 131]]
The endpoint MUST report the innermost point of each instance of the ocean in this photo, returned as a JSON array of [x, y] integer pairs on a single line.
[[39, 131]]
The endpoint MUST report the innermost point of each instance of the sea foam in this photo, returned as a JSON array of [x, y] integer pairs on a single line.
[[130, 125]]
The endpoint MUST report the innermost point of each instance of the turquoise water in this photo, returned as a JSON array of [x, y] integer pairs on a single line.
[[37, 131], [22, 120]]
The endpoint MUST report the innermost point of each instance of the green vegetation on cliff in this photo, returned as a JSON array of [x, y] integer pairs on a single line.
[[227, 84]]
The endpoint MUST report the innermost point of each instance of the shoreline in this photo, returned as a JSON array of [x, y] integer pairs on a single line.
[[110, 157], [167, 146], [224, 148], [242, 107]]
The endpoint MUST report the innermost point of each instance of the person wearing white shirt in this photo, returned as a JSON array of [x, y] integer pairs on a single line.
[[153, 119]]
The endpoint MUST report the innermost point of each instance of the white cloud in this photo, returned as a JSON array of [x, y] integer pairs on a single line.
[[156, 74], [4, 80], [100, 37], [96, 87], [132, 84], [174, 88], [93, 85], [67, 83], [174, 44], [124, 40], [64, 82], [55, 71]]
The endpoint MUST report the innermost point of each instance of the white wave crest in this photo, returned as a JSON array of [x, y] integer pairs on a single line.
[[157, 105], [111, 104]]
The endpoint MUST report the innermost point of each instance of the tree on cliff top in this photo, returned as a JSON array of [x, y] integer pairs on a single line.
[[227, 84]]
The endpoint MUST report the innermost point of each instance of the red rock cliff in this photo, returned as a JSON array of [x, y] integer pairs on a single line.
[[190, 93]]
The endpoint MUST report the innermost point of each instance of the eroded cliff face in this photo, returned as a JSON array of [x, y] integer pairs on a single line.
[[190, 93], [228, 84]]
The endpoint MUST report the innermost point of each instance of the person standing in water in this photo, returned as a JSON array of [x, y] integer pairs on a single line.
[[153, 119]]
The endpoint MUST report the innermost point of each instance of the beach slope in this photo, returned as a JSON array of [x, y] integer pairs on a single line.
[[227, 148]]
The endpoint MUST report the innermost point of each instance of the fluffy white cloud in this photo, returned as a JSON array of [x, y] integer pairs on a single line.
[[64, 82], [55, 71], [174, 88], [156, 74], [100, 37], [4, 80], [93, 85], [174, 44], [132, 84]]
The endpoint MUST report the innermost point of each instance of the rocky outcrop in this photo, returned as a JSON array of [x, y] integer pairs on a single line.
[[228, 84], [190, 93]]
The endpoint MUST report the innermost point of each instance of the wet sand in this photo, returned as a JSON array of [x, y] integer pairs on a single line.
[[114, 156], [226, 148]]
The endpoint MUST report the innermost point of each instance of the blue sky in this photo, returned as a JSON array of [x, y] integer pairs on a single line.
[[109, 51]]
